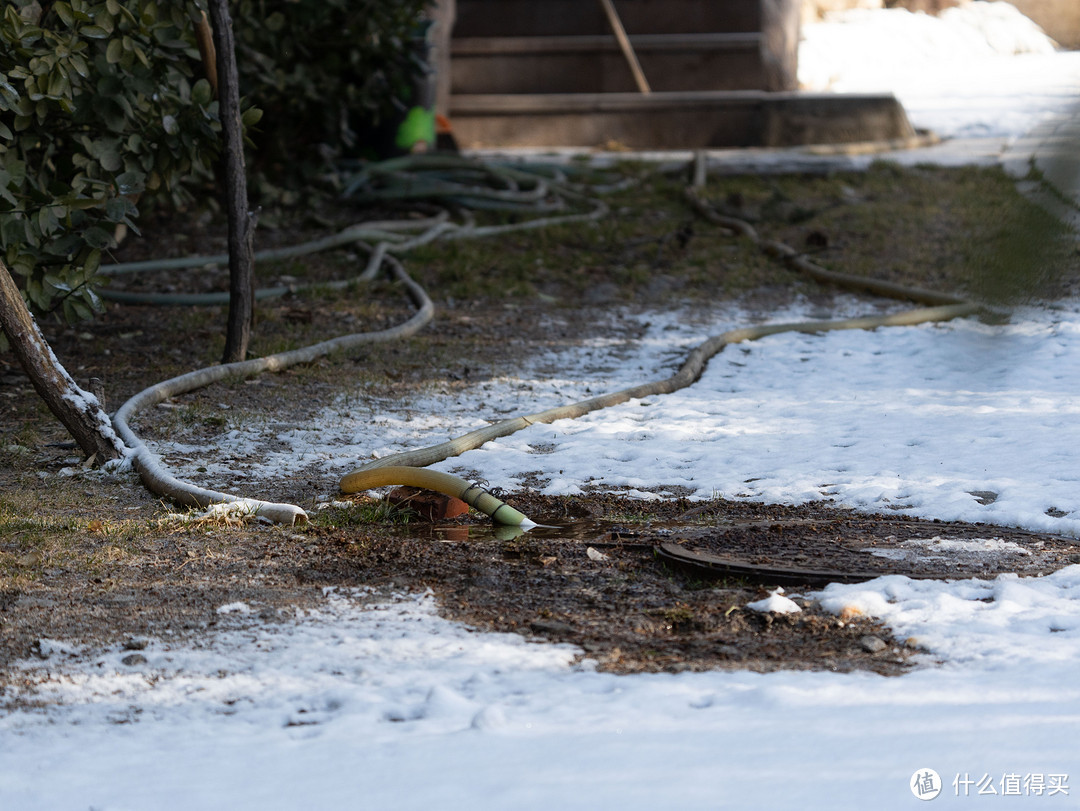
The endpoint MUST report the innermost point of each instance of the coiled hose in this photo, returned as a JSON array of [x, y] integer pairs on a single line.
[[516, 191], [563, 196]]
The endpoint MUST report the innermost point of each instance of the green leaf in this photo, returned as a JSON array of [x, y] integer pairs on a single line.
[[92, 262], [80, 203], [112, 114], [47, 221], [115, 52], [107, 153], [63, 11], [53, 282], [64, 246], [118, 209], [80, 66], [75, 310], [131, 182], [169, 124], [94, 32], [93, 299], [12, 230], [9, 96], [201, 93], [251, 116], [59, 86], [98, 237], [36, 293]]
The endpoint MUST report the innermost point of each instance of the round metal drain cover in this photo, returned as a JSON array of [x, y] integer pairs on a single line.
[[852, 549]]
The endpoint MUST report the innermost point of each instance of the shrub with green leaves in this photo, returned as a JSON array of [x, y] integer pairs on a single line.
[[321, 70], [100, 112]]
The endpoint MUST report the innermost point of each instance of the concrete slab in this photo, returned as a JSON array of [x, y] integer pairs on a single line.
[[683, 120]]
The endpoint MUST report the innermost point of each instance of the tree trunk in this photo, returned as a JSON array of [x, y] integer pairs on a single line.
[[78, 410], [241, 220]]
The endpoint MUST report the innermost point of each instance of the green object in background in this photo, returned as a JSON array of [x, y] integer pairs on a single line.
[[418, 127]]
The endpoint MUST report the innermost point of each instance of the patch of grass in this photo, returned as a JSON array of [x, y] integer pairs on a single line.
[[966, 230], [365, 512], [29, 542]]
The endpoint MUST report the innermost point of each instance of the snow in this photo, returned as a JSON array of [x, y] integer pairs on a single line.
[[775, 603], [979, 70], [374, 701]]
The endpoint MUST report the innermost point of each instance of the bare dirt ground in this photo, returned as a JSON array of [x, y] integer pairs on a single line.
[[93, 557]]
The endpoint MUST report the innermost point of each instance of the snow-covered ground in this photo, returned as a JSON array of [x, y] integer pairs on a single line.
[[394, 708], [978, 70]]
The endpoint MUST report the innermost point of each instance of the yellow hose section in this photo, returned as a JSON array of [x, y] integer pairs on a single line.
[[472, 494]]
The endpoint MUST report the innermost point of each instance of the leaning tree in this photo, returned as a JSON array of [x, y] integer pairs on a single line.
[[102, 108], [110, 106]]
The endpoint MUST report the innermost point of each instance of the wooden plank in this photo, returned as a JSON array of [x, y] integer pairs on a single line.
[[594, 65], [484, 18], [588, 43], [625, 46]]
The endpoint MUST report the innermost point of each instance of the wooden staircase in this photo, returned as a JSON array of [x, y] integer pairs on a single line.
[[534, 73]]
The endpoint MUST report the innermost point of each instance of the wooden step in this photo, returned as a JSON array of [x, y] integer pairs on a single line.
[[595, 64], [675, 120], [548, 18]]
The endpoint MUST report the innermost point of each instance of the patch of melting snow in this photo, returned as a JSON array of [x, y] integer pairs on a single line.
[[775, 603], [953, 549]]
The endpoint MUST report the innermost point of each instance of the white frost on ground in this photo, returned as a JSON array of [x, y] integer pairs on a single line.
[[392, 707]]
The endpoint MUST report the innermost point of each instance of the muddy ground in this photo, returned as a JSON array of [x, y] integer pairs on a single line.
[[93, 557]]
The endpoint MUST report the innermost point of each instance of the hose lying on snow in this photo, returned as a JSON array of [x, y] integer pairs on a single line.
[[946, 307], [404, 468], [689, 373]]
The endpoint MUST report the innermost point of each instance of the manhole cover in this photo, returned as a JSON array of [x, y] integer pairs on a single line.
[[854, 549]]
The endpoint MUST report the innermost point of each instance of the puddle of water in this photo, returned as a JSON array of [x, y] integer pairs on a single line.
[[574, 531]]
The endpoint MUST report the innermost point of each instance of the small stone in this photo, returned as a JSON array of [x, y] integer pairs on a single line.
[[550, 627], [136, 644], [872, 644], [133, 659]]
